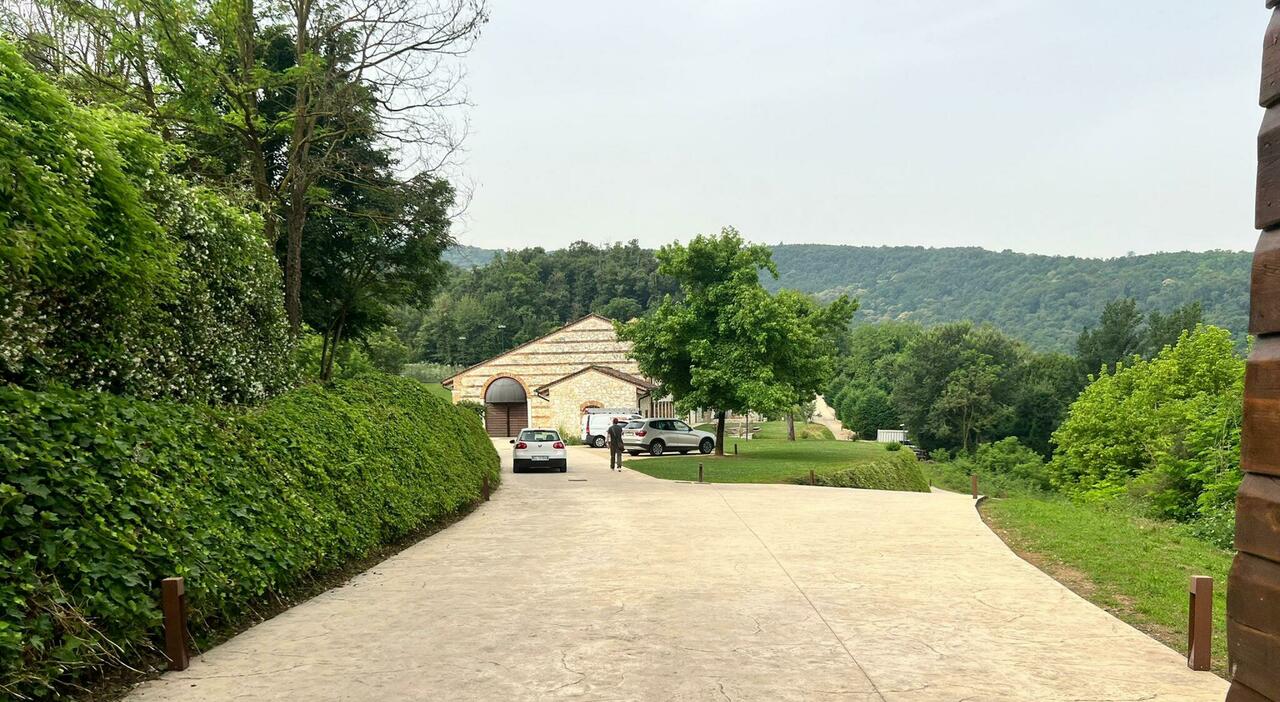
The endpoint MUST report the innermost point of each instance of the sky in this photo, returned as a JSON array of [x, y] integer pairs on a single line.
[[1091, 128]]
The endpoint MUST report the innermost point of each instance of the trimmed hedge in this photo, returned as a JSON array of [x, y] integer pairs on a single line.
[[898, 471], [102, 496]]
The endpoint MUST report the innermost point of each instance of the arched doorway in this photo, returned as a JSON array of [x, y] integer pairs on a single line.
[[506, 407]]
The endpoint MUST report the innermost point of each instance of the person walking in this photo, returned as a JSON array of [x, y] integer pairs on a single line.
[[615, 445]]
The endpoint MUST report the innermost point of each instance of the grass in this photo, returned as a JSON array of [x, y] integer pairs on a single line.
[[440, 391], [1135, 568], [763, 461]]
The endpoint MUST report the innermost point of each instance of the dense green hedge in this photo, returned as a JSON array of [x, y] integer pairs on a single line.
[[102, 496], [116, 275], [896, 471]]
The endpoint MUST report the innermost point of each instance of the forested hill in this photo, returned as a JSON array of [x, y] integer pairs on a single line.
[[1043, 300]]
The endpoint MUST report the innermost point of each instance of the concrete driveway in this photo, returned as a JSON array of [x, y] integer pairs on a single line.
[[602, 586]]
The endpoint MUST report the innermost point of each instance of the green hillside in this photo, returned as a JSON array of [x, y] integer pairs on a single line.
[[1043, 300]]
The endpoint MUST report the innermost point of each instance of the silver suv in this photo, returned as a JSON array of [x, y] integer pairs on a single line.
[[657, 436]]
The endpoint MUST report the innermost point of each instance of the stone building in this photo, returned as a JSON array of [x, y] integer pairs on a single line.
[[551, 381]]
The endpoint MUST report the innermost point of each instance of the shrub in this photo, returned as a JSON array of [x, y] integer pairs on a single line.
[[1166, 431], [114, 274], [102, 496], [430, 372], [898, 472], [893, 446]]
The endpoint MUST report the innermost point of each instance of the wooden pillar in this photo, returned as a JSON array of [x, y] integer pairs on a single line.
[[1253, 590]]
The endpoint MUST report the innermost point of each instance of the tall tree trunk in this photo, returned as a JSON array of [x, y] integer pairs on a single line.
[[720, 433], [791, 425], [297, 166]]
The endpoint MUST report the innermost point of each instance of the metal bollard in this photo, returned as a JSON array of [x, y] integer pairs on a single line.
[[973, 484], [699, 472], [484, 487], [813, 479], [173, 601], [735, 449], [1199, 622]]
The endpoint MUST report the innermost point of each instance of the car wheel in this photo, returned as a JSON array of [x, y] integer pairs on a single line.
[[706, 446], [656, 448], [634, 453], [564, 469], [598, 442], [517, 469]]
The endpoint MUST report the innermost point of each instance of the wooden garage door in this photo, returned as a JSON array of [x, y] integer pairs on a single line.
[[505, 419]]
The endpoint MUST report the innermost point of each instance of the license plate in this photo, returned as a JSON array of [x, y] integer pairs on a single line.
[[541, 458]]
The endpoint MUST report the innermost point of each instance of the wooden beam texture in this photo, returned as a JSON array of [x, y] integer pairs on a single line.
[[1253, 591]]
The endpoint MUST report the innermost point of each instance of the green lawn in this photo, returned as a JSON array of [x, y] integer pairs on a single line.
[[762, 460], [440, 391], [1135, 568]]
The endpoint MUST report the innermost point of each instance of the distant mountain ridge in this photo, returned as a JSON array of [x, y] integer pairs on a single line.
[[1043, 300]]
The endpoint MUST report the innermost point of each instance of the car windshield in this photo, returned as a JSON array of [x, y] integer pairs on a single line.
[[634, 425], [539, 435]]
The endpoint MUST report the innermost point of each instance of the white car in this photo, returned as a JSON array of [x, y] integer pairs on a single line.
[[538, 448], [596, 422]]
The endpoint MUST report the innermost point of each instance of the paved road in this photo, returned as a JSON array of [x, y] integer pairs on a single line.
[[593, 585]]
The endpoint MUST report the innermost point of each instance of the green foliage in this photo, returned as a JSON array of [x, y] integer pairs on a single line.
[[1004, 468], [476, 407], [1166, 430], [1117, 336], [868, 411], [899, 472], [117, 276], [726, 343], [893, 446], [385, 351], [429, 372], [1042, 300], [521, 295], [102, 496]]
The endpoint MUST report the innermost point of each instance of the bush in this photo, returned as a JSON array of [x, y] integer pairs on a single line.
[[102, 496], [893, 446], [898, 472], [430, 372], [1166, 431], [114, 274]]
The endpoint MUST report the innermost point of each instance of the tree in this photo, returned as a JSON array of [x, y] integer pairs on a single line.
[[375, 244], [264, 93], [714, 347], [1118, 336], [1165, 329], [872, 410], [954, 385], [804, 362], [1044, 386]]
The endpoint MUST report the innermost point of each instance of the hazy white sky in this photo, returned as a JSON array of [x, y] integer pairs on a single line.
[[1093, 127]]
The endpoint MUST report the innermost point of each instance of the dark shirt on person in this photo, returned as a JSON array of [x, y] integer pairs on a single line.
[[615, 436]]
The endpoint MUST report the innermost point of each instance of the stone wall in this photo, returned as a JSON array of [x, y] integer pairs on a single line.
[[567, 399]]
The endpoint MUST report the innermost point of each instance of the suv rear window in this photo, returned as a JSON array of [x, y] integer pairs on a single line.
[[634, 424], [538, 435]]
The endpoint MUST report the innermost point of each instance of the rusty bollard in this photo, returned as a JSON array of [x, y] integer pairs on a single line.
[[813, 479], [484, 487], [973, 484], [1199, 622], [173, 601]]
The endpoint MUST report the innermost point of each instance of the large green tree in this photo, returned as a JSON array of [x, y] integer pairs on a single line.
[[725, 343], [954, 386], [1118, 336]]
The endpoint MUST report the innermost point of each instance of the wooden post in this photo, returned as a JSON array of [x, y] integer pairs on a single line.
[[484, 487], [1253, 619], [973, 484], [173, 602], [699, 472], [813, 479], [1199, 622], [735, 449]]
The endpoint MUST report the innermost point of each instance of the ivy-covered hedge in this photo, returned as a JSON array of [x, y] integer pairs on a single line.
[[116, 275], [896, 471], [102, 496]]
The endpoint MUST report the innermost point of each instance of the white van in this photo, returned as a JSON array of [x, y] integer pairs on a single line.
[[597, 420]]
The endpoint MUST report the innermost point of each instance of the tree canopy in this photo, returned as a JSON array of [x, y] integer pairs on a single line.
[[725, 343]]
